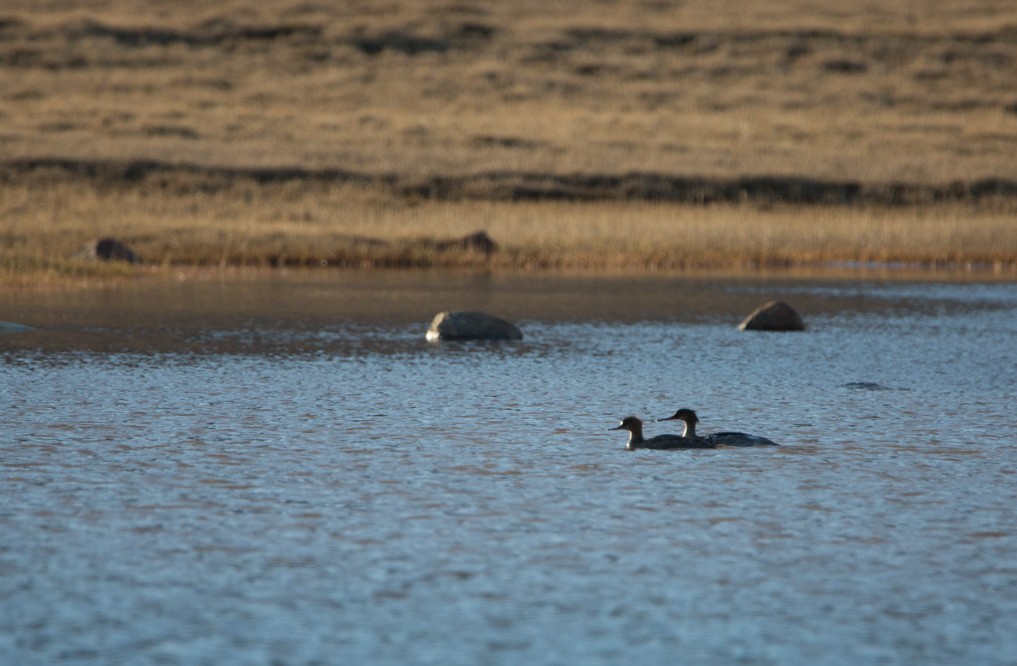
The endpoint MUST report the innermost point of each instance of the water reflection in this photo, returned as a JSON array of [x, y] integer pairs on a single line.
[[356, 313]]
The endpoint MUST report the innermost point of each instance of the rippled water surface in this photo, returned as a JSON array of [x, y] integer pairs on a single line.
[[284, 471]]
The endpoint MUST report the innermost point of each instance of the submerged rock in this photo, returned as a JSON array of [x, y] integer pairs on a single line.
[[773, 316], [12, 327], [461, 325]]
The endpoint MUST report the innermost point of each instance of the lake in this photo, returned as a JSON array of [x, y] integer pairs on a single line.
[[279, 469]]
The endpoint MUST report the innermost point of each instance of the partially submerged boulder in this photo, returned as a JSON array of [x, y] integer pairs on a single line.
[[462, 325], [773, 316], [13, 327]]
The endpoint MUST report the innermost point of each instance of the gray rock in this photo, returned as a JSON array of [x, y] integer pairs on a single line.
[[773, 316], [460, 325]]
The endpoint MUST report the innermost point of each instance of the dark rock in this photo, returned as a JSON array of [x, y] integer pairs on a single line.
[[773, 316], [460, 325], [110, 249], [478, 240]]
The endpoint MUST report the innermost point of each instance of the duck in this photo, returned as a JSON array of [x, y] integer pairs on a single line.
[[661, 442], [718, 438]]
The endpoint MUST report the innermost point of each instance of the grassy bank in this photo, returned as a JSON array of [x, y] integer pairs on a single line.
[[296, 224], [579, 134]]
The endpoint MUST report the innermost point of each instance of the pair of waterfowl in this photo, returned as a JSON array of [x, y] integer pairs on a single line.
[[688, 439]]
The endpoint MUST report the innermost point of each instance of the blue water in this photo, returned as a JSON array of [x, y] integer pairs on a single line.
[[273, 483]]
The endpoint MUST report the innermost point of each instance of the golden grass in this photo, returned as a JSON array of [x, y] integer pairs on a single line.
[[912, 93], [295, 224], [913, 90]]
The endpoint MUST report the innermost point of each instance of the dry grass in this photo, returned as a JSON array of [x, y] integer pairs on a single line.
[[299, 225], [909, 89], [383, 107]]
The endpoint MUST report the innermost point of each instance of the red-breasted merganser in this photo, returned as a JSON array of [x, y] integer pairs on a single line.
[[717, 438], [660, 442]]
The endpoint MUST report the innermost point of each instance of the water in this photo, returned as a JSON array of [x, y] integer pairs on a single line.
[[283, 471]]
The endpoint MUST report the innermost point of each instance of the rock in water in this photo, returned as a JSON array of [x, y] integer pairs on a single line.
[[459, 325], [773, 316], [13, 327]]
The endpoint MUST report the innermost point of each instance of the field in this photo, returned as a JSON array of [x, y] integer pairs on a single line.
[[631, 135]]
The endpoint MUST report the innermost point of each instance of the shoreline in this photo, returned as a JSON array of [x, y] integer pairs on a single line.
[[183, 274]]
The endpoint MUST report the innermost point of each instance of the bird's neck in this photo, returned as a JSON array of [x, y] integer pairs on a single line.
[[690, 429], [635, 437]]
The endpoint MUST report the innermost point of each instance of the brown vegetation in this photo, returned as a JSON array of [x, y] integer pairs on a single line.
[[636, 134]]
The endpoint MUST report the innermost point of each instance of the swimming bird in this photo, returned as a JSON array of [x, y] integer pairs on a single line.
[[660, 442], [717, 438]]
